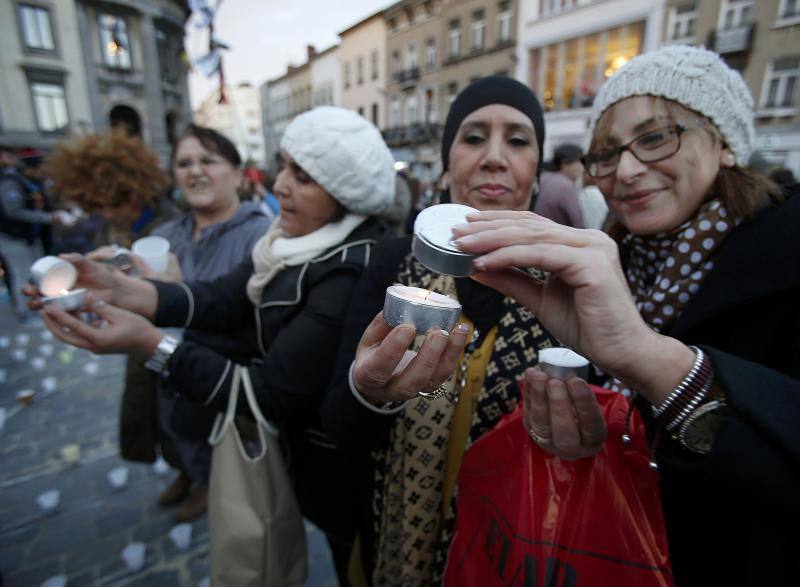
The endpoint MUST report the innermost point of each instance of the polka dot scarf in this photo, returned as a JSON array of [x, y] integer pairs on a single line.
[[665, 270]]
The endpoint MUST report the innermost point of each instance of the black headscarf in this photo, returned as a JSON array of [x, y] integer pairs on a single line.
[[494, 89], [483, 305]]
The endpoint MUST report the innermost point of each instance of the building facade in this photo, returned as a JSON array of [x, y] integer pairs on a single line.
[[238, 118], [567, 48], [90, 65], [761, 40], [362, 66], [435, 48], [326, 87]]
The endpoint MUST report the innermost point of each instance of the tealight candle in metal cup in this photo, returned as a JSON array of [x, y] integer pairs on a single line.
[[51, 275], [563, 363], [67, 300], [433, 242], [421, 308]]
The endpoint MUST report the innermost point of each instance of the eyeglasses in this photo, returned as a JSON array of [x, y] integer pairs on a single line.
[[652, 146]]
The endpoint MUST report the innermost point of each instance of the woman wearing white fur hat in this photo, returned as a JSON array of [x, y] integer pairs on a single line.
[[694, 308], [337, 173]]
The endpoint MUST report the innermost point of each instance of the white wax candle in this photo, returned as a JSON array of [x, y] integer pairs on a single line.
[[563, 363], [422, 296]]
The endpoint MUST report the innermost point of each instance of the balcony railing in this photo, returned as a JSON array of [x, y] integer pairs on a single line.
[[734, 40], [407, 77], [414, 134]]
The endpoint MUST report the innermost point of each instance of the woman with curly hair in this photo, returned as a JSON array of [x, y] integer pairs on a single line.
[[116, 176]]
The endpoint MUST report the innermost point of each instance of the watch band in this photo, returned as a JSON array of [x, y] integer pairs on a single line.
[[158, 360]]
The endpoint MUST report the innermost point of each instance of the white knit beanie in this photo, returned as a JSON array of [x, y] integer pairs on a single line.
[[695, 78], [344, 154]]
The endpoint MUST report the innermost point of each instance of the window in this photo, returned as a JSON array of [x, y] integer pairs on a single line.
[[50, 106], [780, 83], [360, 69], [409, 16], [37, 32], [568, 74], [411, 110], [477, 30], [411, 57], [734, 13], [452, 92], [347, 75], [681, 21], [454, 39], [114, 42], [395, 62], [789, 9], [394, 112], [430, 53], [504, 23], [376, 57], [429, 8], [361, 111], [375, 113], [167, 55], [430, 106], [555, 6]]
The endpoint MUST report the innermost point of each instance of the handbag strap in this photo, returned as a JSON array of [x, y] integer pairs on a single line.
[[225, 419], [253, 403]]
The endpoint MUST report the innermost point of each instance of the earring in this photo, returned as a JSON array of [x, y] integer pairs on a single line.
[[728, 160]]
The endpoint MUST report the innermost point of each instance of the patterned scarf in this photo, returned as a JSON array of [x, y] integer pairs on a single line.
[[409, 474], [665, 270]]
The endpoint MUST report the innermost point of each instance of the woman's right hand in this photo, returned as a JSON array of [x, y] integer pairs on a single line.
[[384, 370], [104, 281]]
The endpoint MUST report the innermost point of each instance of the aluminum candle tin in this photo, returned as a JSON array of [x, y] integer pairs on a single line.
[[122, 259], [74, 300], [433, 240], [563, 363], [51, 275], [421, 308]]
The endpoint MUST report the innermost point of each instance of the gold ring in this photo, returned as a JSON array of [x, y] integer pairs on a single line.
[[437, 393]]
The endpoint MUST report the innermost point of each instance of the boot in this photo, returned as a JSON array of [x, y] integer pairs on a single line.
[[194, 506], [176, 492]]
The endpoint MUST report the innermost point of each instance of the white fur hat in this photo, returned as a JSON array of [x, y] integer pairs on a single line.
[[695, 78], [344, 154]]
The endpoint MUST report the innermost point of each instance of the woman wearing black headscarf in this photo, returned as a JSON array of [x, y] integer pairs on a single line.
[[413, 445]]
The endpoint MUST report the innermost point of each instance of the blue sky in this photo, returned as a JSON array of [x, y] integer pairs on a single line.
[[266, 35]]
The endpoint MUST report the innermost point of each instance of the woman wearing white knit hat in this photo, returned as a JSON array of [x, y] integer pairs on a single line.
[[692, 307], [337, 175]]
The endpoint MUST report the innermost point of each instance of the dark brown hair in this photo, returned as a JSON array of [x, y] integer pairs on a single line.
[[212, 140], [744, 191]]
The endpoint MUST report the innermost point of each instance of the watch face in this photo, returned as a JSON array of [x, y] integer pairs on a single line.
[[701, 429]]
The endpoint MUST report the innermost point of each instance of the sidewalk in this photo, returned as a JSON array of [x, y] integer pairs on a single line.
[[84, 536]]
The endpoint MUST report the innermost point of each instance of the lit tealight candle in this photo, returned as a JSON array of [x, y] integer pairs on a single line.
[[67, 300], [55, 277], [563, 363], [421, 308]]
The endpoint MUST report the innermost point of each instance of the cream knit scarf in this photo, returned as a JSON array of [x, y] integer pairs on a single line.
[[275, 251]]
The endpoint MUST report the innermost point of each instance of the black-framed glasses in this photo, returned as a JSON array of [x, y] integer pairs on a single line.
[[652, 146]]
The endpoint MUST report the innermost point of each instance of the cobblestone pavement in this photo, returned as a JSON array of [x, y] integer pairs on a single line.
[[84, 536]]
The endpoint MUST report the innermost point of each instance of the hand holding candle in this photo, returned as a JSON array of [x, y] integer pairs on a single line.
[[384, 370]]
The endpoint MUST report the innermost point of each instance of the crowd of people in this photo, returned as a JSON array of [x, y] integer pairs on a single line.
[[684, 299]]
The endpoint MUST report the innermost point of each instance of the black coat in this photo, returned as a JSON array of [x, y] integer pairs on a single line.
[[293, 349], [733, 517]]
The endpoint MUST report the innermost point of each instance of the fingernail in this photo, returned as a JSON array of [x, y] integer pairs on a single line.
[[556, 393], [462, 328], [447, 334], [479, 264], [461, 226], [98, 304], [438, 342]]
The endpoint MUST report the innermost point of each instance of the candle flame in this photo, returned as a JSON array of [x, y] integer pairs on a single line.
[[64, 292]]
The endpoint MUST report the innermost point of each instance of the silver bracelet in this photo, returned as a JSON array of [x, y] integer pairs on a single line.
[[158, 360], [690, 407], [685, 382]]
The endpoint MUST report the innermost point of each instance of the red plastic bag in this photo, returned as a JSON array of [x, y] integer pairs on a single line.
[[527, 518]]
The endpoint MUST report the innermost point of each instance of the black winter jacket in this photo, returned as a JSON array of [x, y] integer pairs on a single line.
[[293, 350]]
